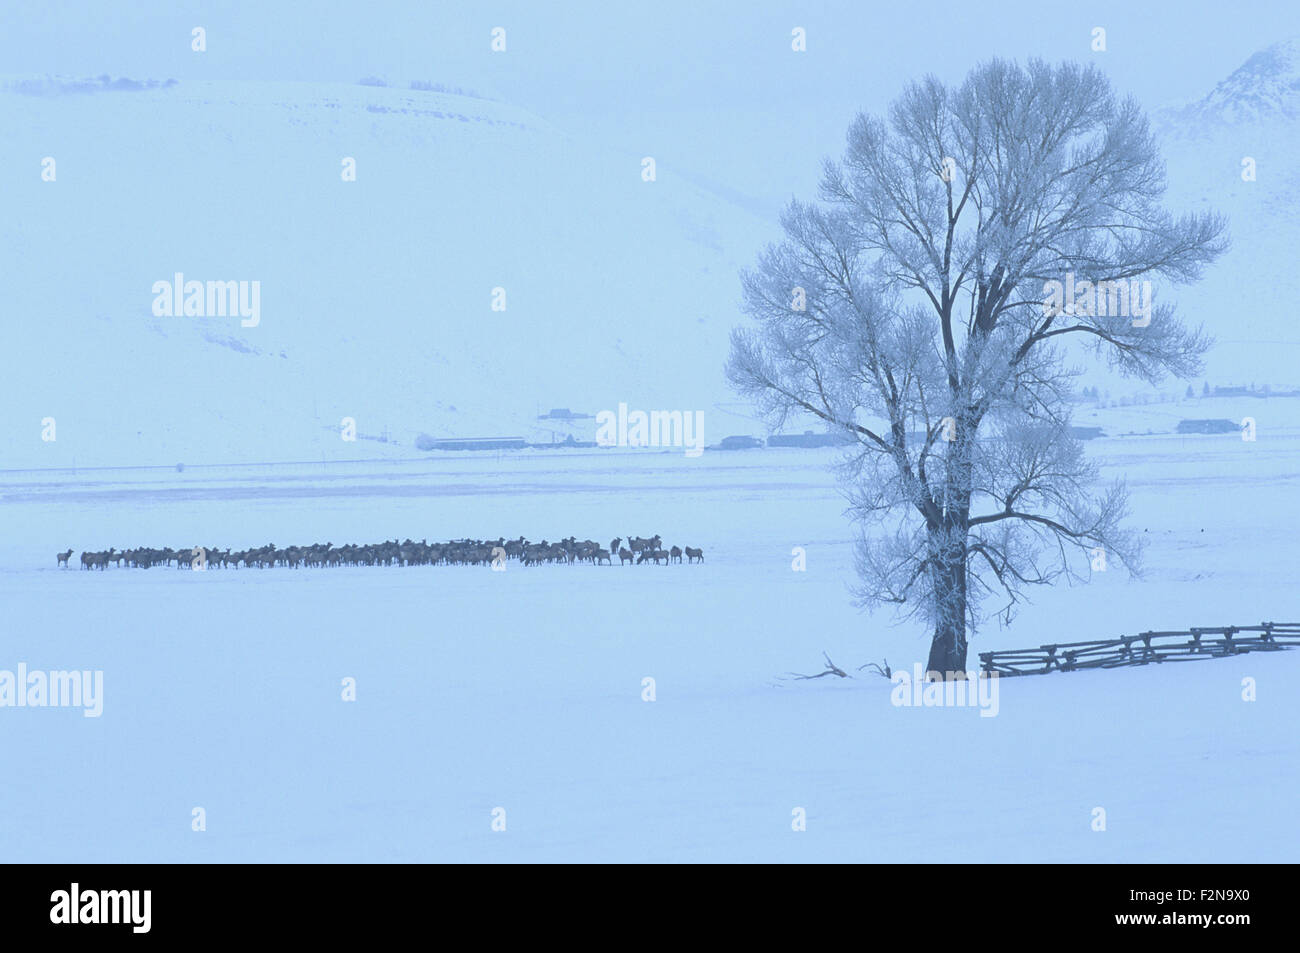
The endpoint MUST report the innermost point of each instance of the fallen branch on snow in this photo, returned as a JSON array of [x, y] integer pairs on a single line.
[[831, 669], [882, 672]]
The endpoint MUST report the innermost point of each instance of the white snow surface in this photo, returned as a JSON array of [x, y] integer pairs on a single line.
[[523, 689]]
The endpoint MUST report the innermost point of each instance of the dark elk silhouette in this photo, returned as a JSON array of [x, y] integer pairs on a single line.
[[639, 545], [456, 552]]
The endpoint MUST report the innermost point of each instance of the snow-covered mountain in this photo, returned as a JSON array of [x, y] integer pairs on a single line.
[[1248, 122], [1266, 88], [375, 295]]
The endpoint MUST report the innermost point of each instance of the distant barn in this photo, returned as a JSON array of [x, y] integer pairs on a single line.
[[808, 439], [474, 443], [738, 443], [568, 442], [1208, 426]]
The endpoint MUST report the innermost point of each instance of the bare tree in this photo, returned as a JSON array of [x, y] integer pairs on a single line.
[[917, 306]]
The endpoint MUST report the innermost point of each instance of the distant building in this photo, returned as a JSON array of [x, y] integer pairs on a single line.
[[808, 439], [473, 443], [1208, 426], [563, 413], [738, 443], [568, 441]]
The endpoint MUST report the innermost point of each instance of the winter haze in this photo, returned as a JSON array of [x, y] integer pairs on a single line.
[[501, 253]]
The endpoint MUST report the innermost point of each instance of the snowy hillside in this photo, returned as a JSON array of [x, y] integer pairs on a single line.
[[376, 295], [1266, 88], [1247, 299]]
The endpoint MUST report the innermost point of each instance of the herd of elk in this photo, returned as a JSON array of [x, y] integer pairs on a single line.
[[458, 552]]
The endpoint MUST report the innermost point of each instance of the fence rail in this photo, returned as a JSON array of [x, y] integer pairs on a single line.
[[1144, 649]]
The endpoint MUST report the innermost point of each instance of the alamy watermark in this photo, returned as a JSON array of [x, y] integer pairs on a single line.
[[211, 299], [53, 689], [1110, 298], [956, 690], [128, 907], [658, 428]]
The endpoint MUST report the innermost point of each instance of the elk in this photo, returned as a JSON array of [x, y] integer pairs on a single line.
[[91, 560], [459, 552]]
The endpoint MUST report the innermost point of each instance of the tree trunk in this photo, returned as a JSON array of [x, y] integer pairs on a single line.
[[947, 652], [948, 649]]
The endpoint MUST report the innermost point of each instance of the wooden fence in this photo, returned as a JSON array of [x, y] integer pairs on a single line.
[[1144, 649]]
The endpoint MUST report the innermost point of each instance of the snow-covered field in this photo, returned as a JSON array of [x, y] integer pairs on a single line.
[[614, 182], [523, 689]]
